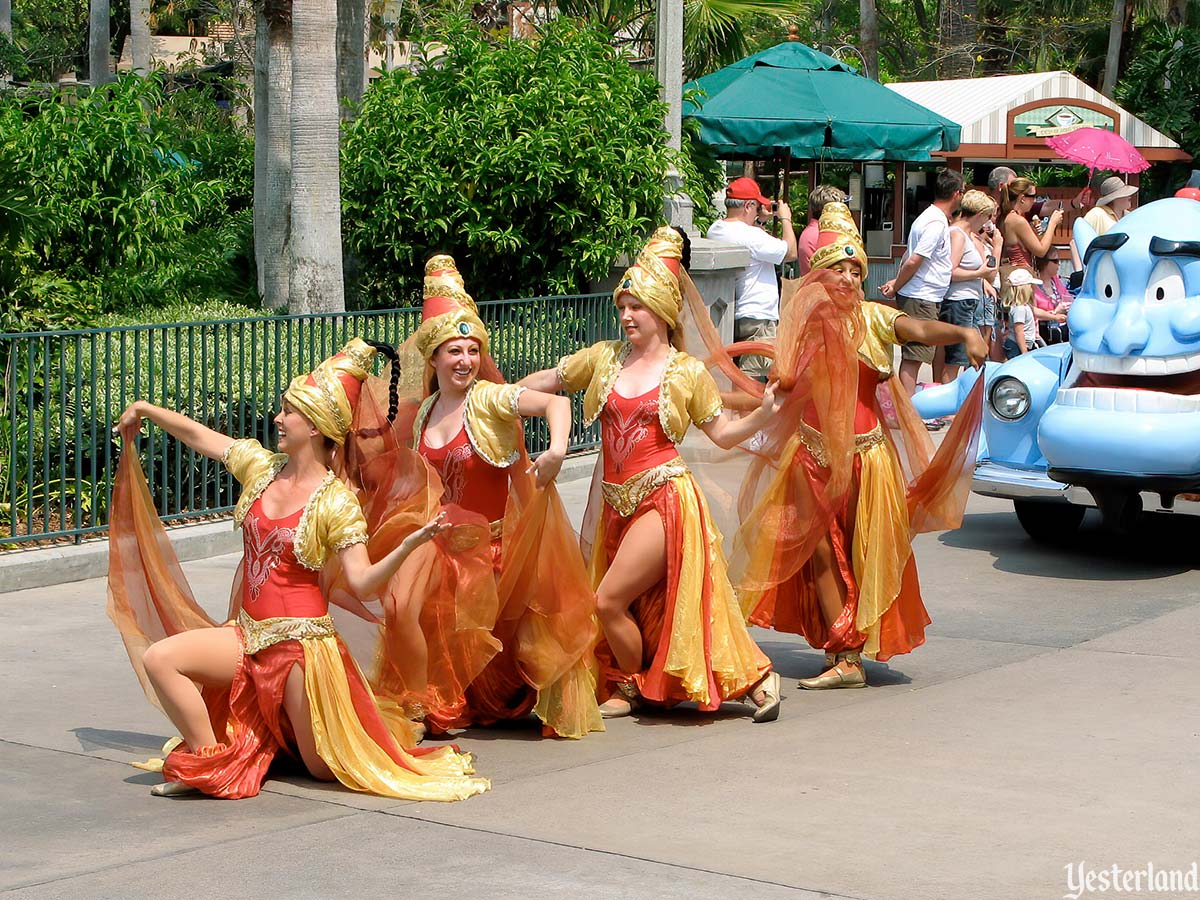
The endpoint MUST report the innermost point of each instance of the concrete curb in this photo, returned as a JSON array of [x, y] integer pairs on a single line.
[[61, 564]]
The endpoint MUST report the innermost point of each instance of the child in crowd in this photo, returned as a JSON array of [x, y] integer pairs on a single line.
[[1018, 302]]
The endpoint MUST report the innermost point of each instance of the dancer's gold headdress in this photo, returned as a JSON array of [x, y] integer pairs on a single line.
[[839, 239], [328, 394], [449, 312], [654, 278]]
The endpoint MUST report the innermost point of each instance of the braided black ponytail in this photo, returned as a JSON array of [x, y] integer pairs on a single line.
[[687, 246], [394, 386]]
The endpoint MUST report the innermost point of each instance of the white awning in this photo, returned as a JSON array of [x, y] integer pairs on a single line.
[[981, 105]]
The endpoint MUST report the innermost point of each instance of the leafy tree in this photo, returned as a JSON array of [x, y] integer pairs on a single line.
[[534, 162], [714, 32], [131, 208], [47, 38], [1162, 85]]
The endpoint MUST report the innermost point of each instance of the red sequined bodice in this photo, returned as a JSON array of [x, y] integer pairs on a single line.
[[468, 480], [274, 583], [632, 436], [865, 418]]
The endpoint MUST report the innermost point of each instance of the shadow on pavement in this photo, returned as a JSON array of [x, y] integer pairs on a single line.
[[1159, 546], [133, 742]]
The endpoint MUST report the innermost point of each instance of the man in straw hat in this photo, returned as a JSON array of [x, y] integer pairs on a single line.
[[1116, 199]]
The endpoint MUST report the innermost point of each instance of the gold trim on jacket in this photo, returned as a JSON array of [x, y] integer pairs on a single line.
[[491, 418], [332, 519], [687, 392]]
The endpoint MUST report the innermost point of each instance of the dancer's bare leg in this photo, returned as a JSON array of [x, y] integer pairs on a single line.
[[295, 703], [831, 594], [640, 563], [174, 665]]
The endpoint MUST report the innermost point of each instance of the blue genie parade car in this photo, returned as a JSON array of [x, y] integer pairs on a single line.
[[1111, 420]]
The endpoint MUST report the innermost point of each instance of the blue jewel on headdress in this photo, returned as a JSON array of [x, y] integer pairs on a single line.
[[464, 328], [848, 250], [628, 282]]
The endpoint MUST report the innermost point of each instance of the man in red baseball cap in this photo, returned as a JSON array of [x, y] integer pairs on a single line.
[[756, 293], [746, 189]]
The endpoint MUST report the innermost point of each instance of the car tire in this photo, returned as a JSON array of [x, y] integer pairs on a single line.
[[1049, 522]]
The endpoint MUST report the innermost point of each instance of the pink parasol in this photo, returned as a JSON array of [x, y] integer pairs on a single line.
[[1097, 148]]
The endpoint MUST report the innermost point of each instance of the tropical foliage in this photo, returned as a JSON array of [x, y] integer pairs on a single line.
[[1163, 83], [141, 198], [535, 162]]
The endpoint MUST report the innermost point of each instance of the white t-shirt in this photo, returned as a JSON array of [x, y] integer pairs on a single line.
[[1022, 317], [756, 294], [929, 238]]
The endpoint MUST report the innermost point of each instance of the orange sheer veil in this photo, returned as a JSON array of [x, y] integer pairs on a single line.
[[773, 515], [451, 577]]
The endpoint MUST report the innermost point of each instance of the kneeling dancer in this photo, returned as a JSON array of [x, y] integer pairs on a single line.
[[277, 676]]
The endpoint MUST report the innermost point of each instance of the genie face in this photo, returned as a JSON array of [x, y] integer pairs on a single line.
[[1139, 310], [1131, 403]]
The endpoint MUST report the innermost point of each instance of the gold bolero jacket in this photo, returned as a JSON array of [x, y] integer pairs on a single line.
[[876, 348], [332, 519], [687, 394], [491, 419]]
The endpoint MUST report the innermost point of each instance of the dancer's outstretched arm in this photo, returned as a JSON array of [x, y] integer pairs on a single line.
[[557, 413], [940, 334], [199, 437], [726, 431], [545, 381], [366, 578]]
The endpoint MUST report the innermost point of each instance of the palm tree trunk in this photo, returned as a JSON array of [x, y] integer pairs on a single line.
[[1177, 13], [5, 29], [351, 55], [868, 36], [1116, 39], [316, 236], [99, 38], [262, 93], [139, 33], [272, 159]]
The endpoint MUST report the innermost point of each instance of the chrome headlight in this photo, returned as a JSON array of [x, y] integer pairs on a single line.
[[1009, 398]]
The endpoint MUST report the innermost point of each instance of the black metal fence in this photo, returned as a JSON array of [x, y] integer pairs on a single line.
[[64, 389]]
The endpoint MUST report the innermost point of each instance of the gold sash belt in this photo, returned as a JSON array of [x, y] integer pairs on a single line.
[[628, 496], [259, 634], [811, 438]]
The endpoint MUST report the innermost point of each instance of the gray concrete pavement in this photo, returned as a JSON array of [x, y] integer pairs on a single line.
[[1050, 718]]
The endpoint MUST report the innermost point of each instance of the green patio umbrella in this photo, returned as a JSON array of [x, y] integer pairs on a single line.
[[792, 97]]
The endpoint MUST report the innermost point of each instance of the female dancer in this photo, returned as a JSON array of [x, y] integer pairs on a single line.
[[276, 677], [826, 550], [469, 428], [671, 623]]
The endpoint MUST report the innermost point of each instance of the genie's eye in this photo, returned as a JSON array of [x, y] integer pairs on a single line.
[[1166, 283], [1107, 285]]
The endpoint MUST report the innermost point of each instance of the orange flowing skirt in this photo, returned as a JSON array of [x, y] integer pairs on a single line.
[[696, 646], [883, 614], [546, 628], [365, 753]]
